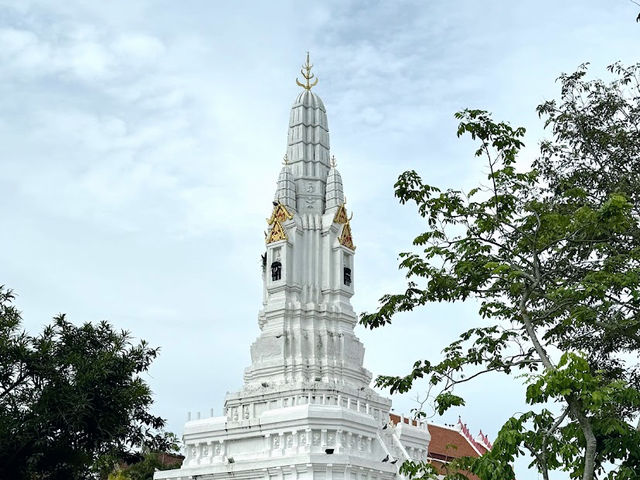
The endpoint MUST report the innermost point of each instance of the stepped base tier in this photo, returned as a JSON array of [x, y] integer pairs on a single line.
[[306, 409], [307, 432]]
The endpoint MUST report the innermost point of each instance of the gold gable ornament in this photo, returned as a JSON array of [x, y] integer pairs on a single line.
[[341, 215], [277, 233], [345, 238], [280, 214]]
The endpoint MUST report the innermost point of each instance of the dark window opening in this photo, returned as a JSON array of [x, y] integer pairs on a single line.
[[347, 276], [276, 271]]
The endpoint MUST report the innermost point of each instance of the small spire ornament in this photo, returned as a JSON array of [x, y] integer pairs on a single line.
[[306, 73], [285, 159], [333, 161]]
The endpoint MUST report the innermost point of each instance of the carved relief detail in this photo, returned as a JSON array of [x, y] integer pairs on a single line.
[[310, 202]]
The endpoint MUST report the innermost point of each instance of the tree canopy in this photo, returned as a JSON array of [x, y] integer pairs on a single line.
[[552, 255], [72, 401], [144, 468]]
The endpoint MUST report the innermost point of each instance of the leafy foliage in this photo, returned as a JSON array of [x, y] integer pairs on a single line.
[[72, 401], [145, 467], [552, 254]]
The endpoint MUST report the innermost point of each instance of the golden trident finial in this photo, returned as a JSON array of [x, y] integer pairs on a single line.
[[306, 73]]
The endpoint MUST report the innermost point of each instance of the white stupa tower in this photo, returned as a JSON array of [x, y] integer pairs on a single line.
[[306, 409]]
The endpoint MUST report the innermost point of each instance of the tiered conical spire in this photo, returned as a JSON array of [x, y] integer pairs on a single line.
[[286, 191], [308, 137], [335, 194]]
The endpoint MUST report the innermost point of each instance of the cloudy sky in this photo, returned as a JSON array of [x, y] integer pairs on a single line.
[[140, 142]]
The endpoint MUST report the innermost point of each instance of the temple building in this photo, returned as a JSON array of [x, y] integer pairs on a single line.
[[306, 410]]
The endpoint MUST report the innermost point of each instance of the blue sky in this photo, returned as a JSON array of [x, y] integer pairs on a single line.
[[140, 143]]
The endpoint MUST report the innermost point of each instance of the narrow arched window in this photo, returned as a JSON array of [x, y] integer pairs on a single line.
[[276, 271], [347, 276]]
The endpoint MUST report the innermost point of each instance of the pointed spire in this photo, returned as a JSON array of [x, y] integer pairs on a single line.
[[306, 73], [308, 137], [286, 190], [334, 196]]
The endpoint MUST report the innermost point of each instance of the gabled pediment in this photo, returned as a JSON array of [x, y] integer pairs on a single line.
[[345, 237], [277, 233], [280, 214], [341, 215]]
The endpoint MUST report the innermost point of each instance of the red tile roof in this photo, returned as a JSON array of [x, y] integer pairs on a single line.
[[448, 443]]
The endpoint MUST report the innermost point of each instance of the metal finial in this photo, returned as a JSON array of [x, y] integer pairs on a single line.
[[285, 159], [306, 73], [333, 161]]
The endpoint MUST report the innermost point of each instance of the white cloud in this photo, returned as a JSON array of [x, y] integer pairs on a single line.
[[137, 47], [23, 52], [81, 52]]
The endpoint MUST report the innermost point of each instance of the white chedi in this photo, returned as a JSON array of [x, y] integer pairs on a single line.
[[306, 409]]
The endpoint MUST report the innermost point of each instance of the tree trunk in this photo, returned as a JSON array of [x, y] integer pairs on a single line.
[[590, 439]]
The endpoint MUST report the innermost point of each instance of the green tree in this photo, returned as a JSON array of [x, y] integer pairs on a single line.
[[552, 255], [72, 402]]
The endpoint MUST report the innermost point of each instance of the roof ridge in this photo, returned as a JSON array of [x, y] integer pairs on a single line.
[[466, 433], [448, 427]]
